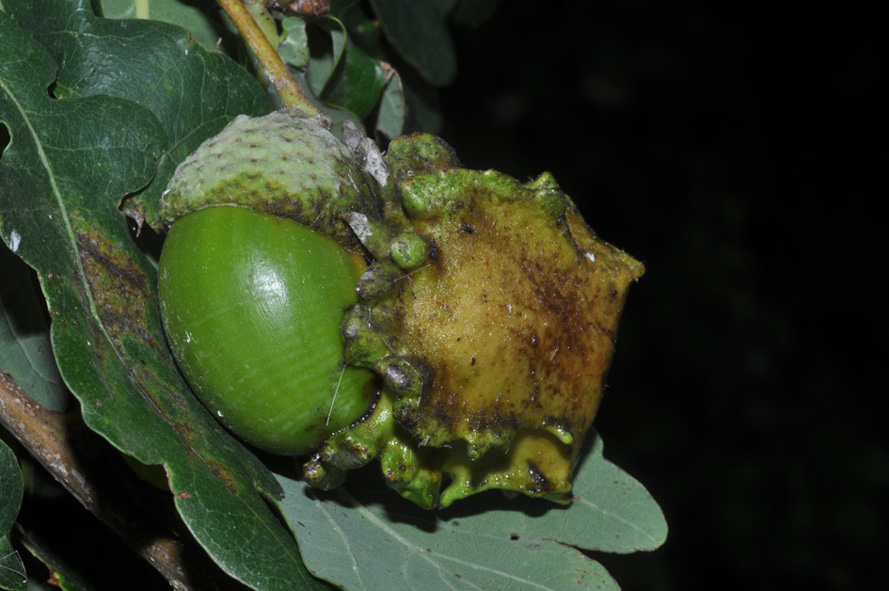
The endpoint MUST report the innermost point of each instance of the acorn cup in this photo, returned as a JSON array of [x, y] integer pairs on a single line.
[[325, 300]]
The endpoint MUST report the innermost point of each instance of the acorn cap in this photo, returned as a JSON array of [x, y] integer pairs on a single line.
[[281, 164]]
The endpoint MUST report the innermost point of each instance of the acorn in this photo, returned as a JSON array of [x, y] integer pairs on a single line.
[[324, 299], [256, 273]]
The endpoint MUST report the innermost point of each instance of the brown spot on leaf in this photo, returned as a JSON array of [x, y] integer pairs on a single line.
[[118, 286], [118, 293]]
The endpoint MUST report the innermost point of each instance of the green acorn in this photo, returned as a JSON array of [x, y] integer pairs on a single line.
[[487, 313], [256, 273]]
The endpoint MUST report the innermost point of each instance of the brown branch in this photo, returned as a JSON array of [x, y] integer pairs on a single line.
[[54, 441]]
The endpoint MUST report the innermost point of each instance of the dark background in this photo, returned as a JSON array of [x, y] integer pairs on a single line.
[[737, 151]]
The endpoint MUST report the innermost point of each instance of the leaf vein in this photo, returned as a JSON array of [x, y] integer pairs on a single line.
[[417, 551]]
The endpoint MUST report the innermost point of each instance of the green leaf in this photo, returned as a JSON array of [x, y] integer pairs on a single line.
[[408, 102], [357, 83], [365, 32], [25, 349], [391, 117], [375, 540], [615, 506], [64, 172], [337, 72], [12, 571], [365, 545], [294, 46], [192, 91], [418, 31], [327, 43], [204, 19], [341, 8], [611, 511]]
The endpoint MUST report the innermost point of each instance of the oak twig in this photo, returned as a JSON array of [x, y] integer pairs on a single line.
[[287, 86]]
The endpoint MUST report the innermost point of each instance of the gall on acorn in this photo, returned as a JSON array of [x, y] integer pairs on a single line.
[[327, 300]]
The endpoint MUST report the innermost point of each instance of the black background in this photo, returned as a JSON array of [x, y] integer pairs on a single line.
[[738, 151]]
